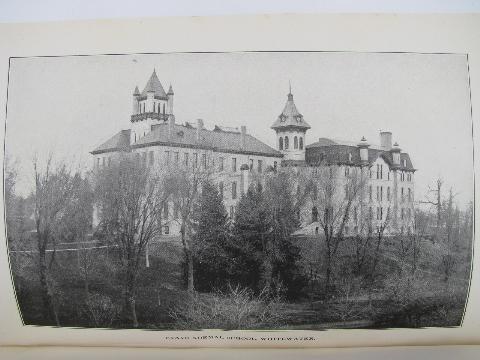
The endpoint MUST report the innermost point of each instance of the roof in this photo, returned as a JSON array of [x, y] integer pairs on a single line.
[[218, 140], [290, 116], [340, 152], [154, 85], [119, 142]]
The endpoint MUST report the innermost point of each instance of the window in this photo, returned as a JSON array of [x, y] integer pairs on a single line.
[[378, 193], [326, 216], [402, 195], [388, 193], [166, 230], [370, 173], [232, 211], [301, 143], [274, 165], [259, 166], [404, 163], [370, 192], [286, 142], [388, 175], [295, 142], [315, 192], [381, 171], [381, 193], [144, 159], [350, 157], [110, 162], [165, 210], [347, 171], [234, 164], [176, 157], [150, 158], [409, 194], [355, 214], [402, 214], [167, 157], [204, 161], [370, 212], [163, 108], [220, 164], [103, 161], [185, 159], [280, 143], [175, 210], [220, 188], [98, 162], [314, 214], [251, 164], [234, 190], [195, 160], [378, 171]]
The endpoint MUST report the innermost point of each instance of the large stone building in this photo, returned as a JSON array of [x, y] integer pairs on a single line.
[[236, 157]]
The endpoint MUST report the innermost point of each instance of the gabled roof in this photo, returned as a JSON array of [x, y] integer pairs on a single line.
[[154, 85], [118, 142], [290, 116], [330, 152], [218, 140]]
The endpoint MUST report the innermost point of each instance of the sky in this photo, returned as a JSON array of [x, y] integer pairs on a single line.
[[69, 105]]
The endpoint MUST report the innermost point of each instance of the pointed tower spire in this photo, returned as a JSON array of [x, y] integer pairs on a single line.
[[170, 90], [136, 91]]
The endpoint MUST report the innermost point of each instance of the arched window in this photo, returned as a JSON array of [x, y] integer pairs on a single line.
[[280, 143], [286, 142], [314, 214], [301, 143], [295, 142]]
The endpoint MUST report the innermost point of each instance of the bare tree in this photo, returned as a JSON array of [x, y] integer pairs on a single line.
[[333, 197], [436, 201], [56, 187], [185, 186], [129, 200]]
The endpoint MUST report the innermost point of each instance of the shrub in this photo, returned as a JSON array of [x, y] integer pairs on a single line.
[[100, 310], [237, 308]]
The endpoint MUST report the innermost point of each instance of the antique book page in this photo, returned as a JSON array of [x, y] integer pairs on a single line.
[[344, 220]]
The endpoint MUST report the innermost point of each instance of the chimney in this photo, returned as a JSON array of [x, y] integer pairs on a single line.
[[199, 129], [243, 133], [386, 140]]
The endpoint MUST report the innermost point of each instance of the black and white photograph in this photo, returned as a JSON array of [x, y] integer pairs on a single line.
[[240, 190]]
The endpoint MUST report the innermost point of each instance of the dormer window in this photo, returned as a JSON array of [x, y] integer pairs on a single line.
[[404, 162], [350, 157]]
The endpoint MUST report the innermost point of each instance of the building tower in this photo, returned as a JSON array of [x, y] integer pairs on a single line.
[[291, 129], [152, 106]]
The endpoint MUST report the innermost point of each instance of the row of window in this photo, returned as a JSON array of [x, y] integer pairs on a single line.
[[379, 194], [283, 143], [380, 174], [157, 108], [104, 161], [404, 175], [233, 189]]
